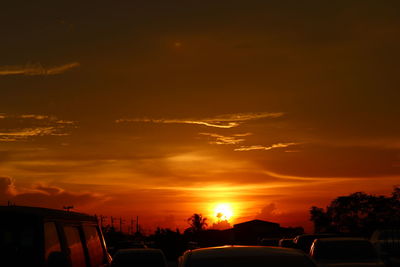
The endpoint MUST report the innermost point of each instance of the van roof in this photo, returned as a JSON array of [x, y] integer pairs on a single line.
[[46, 213]]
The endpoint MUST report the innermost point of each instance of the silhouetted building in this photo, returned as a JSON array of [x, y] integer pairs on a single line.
[[252, 232], [255, 232]]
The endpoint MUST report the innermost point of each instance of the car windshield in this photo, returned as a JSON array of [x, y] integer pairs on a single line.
[[250, 261], [18, 242], [390, 235], [354, 250]]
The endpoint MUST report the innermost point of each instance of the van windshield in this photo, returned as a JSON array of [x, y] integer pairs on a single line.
[[17, 241]]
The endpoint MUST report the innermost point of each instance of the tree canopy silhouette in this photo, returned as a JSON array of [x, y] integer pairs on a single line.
[[197, 223], [358, 213]]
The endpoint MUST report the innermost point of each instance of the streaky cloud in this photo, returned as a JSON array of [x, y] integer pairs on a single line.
[[31, 125], [36, 69], [226, 140], [299, 178], [16, 135], [34, 116], [222, 121], [260, 147]]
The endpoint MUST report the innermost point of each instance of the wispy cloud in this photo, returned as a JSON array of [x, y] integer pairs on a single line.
[[223, 121], [33, 116], [22, 134], [36, 69], [260, 147], [226, 140], [22, 127], [38, 117], [300, 178]]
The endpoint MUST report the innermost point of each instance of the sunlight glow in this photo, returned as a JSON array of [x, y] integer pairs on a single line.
[[223, 211]]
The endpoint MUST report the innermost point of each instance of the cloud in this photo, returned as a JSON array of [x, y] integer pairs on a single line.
[[223, 121], [221, 225], [226, 140], [12, 136], [33, 116], [36, 69], [6, 186], [260, 147], [21, 127], [45, 196], [292, 218], [269, 211]]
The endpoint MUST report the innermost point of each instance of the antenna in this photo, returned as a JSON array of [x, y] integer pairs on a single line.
[[68, 208], [102, 218]]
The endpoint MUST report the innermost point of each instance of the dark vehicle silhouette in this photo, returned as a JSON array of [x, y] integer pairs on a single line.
[[286, 243], [140, 257], [245, 256], [387, 244], [38, 237], [272, 242], [126, 245], [345, 252], [305, 241]]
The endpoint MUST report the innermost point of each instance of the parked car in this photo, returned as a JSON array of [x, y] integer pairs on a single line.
[[329, 252], [271, 242], [245, 256], [139, 257], [387, 244], [125, 245], [305, 241], [286, 243], [38, 237]]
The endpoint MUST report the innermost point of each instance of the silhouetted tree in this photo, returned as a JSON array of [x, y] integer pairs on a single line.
[[358, 213], [320, 219], [197, 223]]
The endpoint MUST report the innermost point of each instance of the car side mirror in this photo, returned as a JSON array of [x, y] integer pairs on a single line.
[[58, 259]]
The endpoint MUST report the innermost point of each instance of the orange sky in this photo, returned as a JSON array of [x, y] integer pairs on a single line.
[[161, 109]]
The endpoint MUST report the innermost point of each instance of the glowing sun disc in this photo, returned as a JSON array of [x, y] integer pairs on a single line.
[[223, 211]]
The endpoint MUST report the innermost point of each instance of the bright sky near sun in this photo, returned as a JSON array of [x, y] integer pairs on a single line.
[[233, 109]]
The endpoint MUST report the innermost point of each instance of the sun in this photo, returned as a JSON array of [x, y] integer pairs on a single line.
[[223, 211]]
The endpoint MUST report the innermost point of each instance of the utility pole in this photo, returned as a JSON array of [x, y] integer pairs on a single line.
[[131, 227], [120, 224], [137, 224], [102, 218], [112, 222]]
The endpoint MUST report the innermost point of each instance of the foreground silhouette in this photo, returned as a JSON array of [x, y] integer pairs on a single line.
[[358, 213]]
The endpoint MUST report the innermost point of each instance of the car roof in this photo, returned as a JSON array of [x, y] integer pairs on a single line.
[[342, 239], [243, 251], [139, 251], [45, 213], [315, 235]]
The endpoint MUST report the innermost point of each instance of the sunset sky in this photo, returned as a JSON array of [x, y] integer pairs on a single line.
[[160, 109]]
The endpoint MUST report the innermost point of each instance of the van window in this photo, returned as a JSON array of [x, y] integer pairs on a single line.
[[75, 246], [18, 242], [51, 240], [95, 248]]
